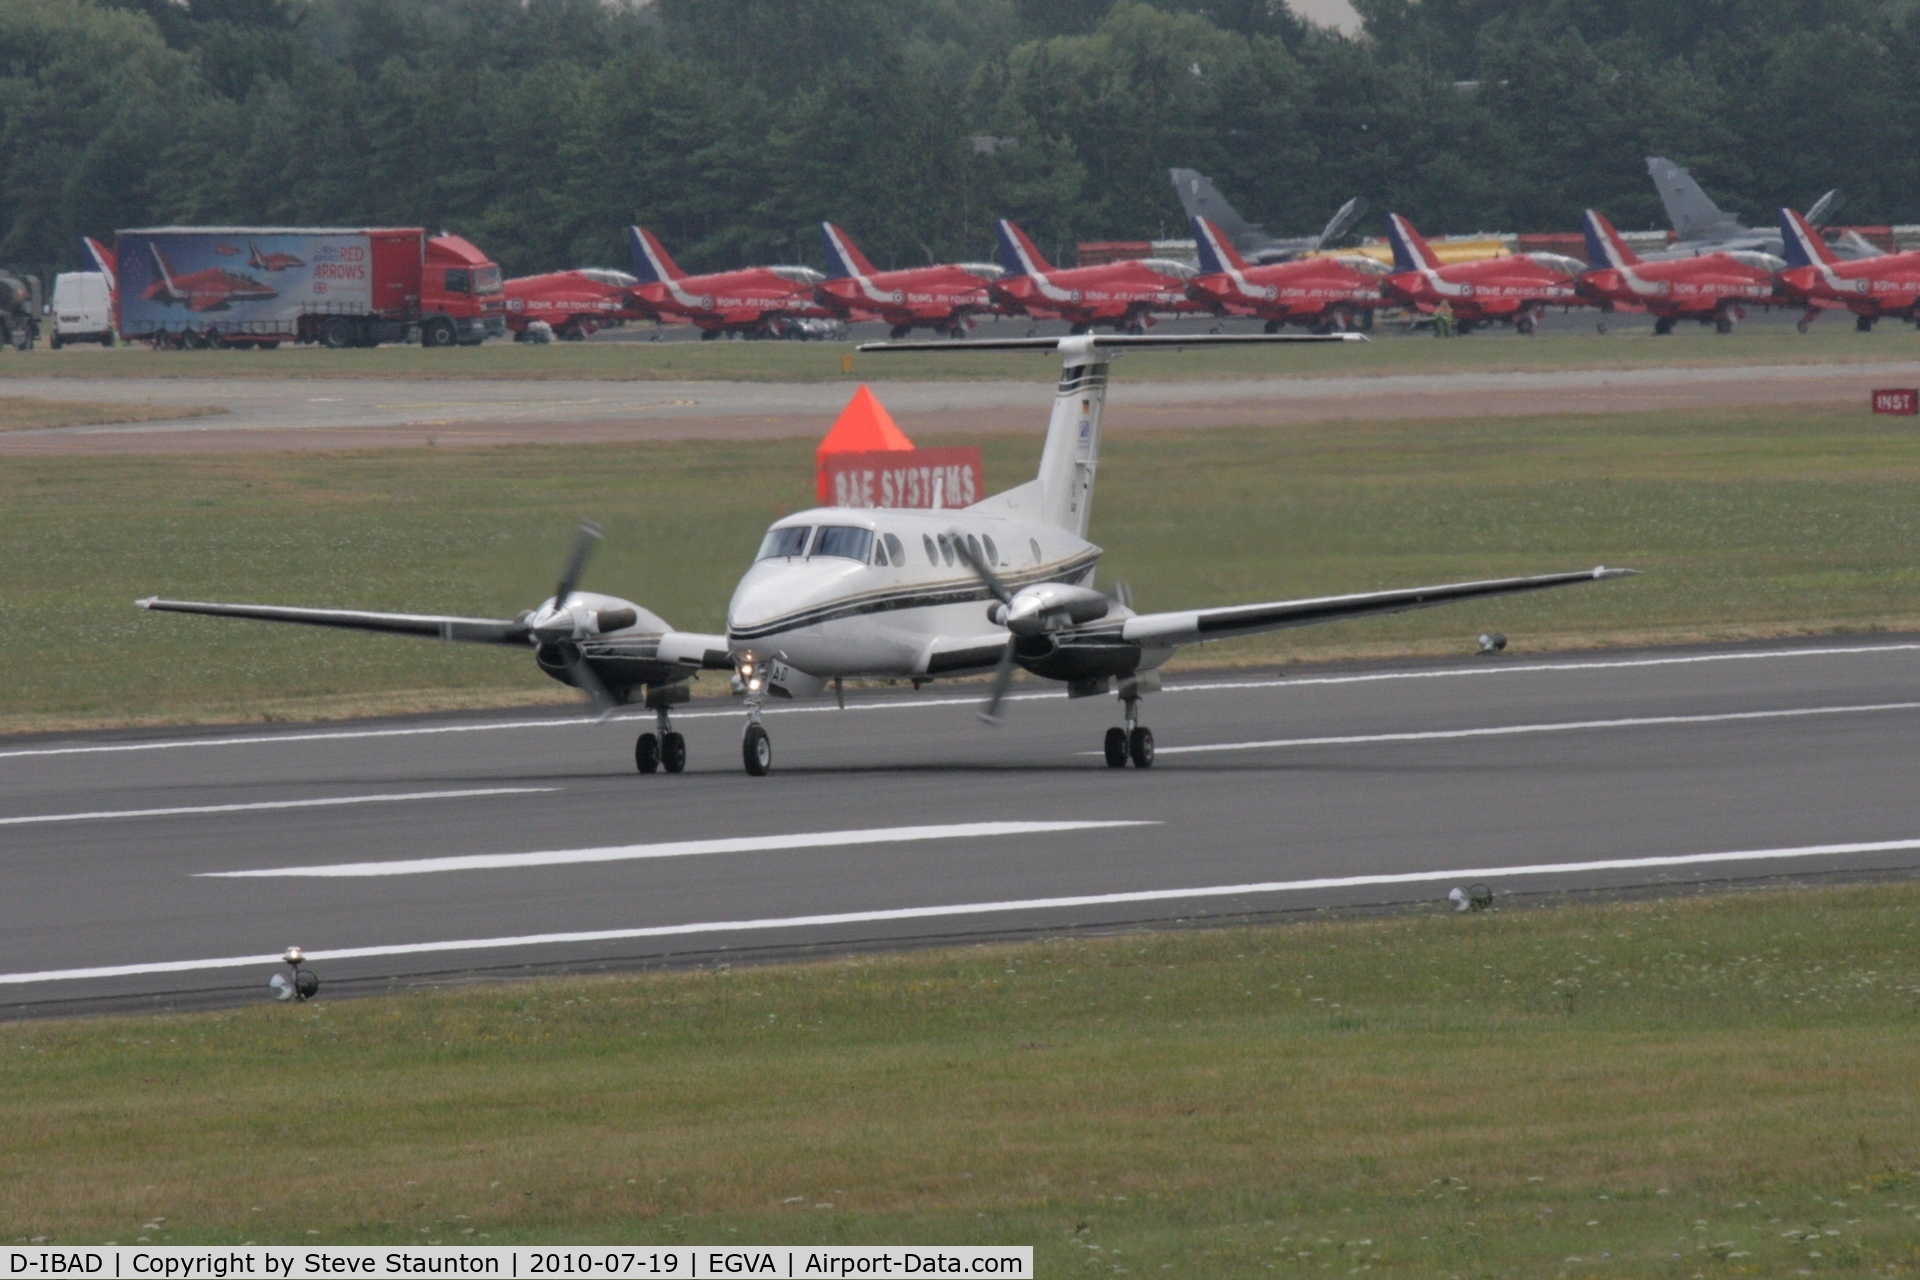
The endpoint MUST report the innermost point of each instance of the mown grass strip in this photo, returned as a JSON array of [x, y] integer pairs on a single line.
[[1717, 1087], [28, 413], [1744, 523]]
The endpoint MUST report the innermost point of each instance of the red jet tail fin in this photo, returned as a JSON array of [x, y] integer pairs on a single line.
[[1803, 244], [843, 255], [102, 260], [1017, 253], [1217, 253], [1410, 250], [1605, 248], [166, 273], [651, 261]]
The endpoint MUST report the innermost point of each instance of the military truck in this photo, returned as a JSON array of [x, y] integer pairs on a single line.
[[21, 305]]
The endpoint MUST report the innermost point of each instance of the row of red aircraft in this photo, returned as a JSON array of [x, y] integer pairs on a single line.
[[1322, 293]]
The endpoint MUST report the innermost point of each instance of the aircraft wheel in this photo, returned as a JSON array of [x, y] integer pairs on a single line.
[[708, 335], [757, 751], [1802, 326], [1271, 326], [900, 331], [673, 753], [1600, 326], [1140, 747], [1116, 748], [646, 753], [1863, 324], [1663, 326], [1723, 324], [1524, 324]]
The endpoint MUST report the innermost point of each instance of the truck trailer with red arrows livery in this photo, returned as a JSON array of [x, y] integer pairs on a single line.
[[339, 287]]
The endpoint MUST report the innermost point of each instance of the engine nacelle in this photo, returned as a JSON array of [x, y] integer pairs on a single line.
[[1047, 606]]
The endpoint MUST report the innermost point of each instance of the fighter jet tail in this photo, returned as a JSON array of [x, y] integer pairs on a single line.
[[1803, 244], [1217, 253], [1605, 248], [1694, 216], [1410, 249], [651, 261], [102, 260], [1018, 254], [844, 258], [1200, 199], [1341, 222]]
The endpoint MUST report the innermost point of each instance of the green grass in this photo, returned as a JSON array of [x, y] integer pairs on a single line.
[[27, 413], [814, 362], [1757, 522], [1714, 1087]]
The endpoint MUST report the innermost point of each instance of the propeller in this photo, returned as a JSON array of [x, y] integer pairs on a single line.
[[1003, 673], [557, 626]]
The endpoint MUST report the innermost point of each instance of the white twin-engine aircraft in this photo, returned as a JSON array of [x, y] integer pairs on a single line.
[[855, 593]]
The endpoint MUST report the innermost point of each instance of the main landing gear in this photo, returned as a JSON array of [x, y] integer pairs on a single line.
[[668, 749], [1134, 742]]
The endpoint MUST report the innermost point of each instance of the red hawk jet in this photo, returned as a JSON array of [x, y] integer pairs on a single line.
[[575, 303], [1122, 295], [1869, 287], [942, 298], [1324, 294], [1710, 288], [755, 302], [214, 289], [271, 261], [1511, 290]]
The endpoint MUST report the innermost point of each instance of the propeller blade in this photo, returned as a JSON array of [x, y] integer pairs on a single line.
[[980, 567], [583, 539], [1002, 677], [585, 679]]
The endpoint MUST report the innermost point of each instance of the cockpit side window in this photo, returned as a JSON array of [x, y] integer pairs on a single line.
[[846, 540], [784, 542], [880, 551], [898, 552]]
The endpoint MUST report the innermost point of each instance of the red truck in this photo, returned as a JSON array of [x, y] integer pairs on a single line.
[[261, 286]]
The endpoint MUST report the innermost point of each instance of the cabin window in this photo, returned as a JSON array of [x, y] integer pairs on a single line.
[[846, 540], [879, 551], [898, 552], [946, 548], [784, 542], [933, 557], [974, 555], [993, 552]]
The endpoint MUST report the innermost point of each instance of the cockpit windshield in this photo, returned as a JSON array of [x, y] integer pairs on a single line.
[[784, 542], [846, 540]]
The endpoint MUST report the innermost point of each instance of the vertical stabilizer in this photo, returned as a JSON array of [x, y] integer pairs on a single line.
[[1017, 253], [1693, 215], [1803, 245], [166, 274], [1072, 453], [1200, 199], [1217, 254], [1605, 248], [1410, 251], [651, 261], [103, 260], [844, 258], [1340, 223]]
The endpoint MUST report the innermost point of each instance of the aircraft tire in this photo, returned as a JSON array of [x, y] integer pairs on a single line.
[[1723, 324], [1140, 747], [708, 335], [1524, 324], [1663, 326], [756, 750], [1863, 324], [673, 753], [1802, 326], [646, 753], [1271, 326], [1116, 746], [900, 331], [1600, 326]]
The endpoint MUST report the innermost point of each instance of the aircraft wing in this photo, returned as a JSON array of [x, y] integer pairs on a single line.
[[471, 630], [1192, 626], [693, 649]]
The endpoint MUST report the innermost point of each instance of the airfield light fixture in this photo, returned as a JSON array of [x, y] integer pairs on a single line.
[[301, 985], [1473, 898], [1492, 642]]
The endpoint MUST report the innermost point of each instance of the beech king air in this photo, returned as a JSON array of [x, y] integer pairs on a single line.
[[1323, 294], [858, 593], [1888, 285], [943, 298], [1123, 295], [1711, 288], [1511, 290], [752, 302]]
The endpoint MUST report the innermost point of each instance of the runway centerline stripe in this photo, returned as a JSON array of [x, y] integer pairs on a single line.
[[321, 803], [967, 909], [674, 849], [1514, 730], [903, 704]]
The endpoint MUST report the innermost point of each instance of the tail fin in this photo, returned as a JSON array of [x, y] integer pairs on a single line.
[[1804, 247], [843, 255], [651, 261], [1605, 248], [1341, 222], [1072, 452], [1217, 253], [253, 256], [1410, 250], [1199, 199], [160, 265], [102, 259], [1017, 253], [1822, 211], [1692, 214]]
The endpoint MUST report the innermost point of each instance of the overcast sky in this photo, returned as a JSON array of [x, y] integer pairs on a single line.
[[1332, 13]]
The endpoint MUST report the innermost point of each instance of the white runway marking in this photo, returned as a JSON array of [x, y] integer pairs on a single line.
[[324, 803], [1510, 730], [967, 909], [674, 849], [915, 704]]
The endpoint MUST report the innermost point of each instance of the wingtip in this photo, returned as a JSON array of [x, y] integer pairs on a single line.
[[148, 603], [1601, 571]]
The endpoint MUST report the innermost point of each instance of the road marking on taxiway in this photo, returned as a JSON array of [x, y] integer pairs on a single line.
[[967, 909], [322, 803], [916, 704], [1514, 730], [674, 849]]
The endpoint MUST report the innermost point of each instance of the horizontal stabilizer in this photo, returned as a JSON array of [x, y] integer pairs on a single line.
[[1195, 625]]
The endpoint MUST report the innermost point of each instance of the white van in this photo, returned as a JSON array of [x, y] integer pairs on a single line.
[[82, 309]]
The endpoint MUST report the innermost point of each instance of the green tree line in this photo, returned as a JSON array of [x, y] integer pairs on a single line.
[[541, 128]]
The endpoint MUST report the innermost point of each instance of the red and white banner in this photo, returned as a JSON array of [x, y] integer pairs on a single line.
[[1904, 400], [905, 478]]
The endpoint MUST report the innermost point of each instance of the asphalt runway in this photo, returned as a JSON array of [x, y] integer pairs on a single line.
[[164, 868], [301, 413]]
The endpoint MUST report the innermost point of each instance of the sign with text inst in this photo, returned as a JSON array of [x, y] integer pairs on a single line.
[[1904, 400], [905, 478]]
